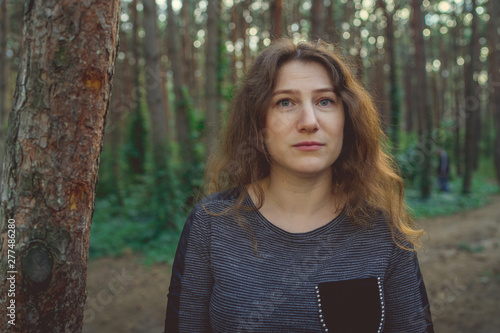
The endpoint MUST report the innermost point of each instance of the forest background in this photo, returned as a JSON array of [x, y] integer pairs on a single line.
[[431, 66]]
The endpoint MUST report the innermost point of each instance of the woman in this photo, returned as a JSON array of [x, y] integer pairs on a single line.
[[305, 229]]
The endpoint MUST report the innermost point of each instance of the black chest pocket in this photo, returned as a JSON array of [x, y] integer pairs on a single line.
[[351, 306]]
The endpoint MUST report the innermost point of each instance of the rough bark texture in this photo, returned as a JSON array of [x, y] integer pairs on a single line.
[[3, 77], [212, 120], [53, 144], [424, 106]]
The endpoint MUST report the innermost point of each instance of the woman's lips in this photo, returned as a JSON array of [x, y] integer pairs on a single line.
[[308, 145]]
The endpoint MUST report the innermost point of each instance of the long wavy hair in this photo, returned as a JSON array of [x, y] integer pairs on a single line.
[[364, 178]]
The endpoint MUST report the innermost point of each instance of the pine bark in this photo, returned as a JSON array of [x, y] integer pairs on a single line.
[[4, 77], [52, 156]]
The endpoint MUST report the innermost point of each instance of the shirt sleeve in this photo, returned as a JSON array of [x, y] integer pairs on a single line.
[[174, 294], [197, 281], [406, 303]]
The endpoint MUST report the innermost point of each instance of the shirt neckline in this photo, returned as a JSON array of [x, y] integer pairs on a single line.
[[312, 234]]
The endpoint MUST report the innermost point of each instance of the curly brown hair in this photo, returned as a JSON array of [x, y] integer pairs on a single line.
[[364, 176]]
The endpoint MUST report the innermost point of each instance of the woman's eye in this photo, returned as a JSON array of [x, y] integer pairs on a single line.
[[284, 103], [326, 102]]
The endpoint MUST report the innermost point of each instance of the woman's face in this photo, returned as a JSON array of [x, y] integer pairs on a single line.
[[305, 121]]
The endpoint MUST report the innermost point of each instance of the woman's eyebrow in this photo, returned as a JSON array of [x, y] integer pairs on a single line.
[[297, 92]]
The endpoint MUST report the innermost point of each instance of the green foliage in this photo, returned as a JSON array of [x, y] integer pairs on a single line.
[[469, 248], [146, 212], [135, 147], [454, 202], [140, 225]]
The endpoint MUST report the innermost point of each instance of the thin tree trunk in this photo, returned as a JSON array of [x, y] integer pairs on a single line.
[[234, 39], [296, 12], [378, 79], [154, 85], [136, 132], [395, 95], [317, 19], [177, 68], [211, 122], [424, 105], [276, 18], [409, 96], [494, 82], [52, 157], [472, 109], [457, 94], [243, 31], [332, 30], [188, 70]]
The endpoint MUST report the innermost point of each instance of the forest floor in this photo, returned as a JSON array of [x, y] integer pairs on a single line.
[[461, 269]]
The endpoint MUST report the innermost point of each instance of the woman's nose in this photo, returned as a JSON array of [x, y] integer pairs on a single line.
[[308, 121]]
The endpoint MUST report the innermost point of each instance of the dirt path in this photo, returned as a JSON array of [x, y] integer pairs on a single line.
[[461, 268]]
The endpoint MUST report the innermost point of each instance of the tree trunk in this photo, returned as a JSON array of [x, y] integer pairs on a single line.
[[136, 141], [177, 68], [243, 31], [4, 77], [211, 120], [186, 47], [154, 85], [276, 17], [377, 82], [317, 19], [494, 81], [457, 93], [332, 28], [234, 39], [395, 94], [409, 96], [471, 108], [424, 106], [52, 156]]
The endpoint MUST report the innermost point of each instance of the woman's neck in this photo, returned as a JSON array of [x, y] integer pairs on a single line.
[[297, 204]]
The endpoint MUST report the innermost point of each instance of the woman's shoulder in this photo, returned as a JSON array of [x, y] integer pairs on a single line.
[[218, 202], [223, 196]]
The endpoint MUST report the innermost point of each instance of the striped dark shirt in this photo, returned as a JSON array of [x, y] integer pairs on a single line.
[[223, 283]]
